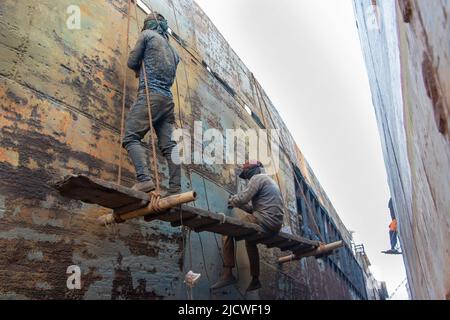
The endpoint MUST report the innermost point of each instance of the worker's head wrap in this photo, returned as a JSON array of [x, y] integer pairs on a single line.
[[156, 22], [250, 168]]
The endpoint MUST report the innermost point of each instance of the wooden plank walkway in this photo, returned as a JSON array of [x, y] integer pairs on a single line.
[[116, 197]]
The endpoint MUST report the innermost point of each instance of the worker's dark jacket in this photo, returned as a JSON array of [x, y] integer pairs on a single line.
[[267, 203], [160, 61]]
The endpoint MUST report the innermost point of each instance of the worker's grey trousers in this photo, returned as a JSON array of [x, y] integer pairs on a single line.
[[136, 127], [252, 250]]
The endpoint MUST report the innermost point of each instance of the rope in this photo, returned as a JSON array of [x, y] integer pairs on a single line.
[[155, 196], [122, 121], [282, 272], [190, 260], [147, 94], [218, 248], [260, 98], [271, 155], [217, 243], [258, 90], [203, 255], [237, 271], [190, 249], [309, 209], [182, 232], [189, 289]]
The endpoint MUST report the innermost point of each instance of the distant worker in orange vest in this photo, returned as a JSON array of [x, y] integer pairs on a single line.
[[393, 235]]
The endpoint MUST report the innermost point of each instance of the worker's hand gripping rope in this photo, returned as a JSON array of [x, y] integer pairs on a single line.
[[154, 201]]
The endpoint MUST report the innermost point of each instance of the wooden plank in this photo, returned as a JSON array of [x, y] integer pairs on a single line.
[[277, 244], [122, 200], [213, 222], [96, 191], [174, 215], [301, 247], [186, 221], [299, 239], [288, 246], [273, 239], [255, 237], [206, 226], [131, 207]]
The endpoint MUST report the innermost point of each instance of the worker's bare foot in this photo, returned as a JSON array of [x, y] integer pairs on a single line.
[[224, 282], [254, 285], [144, 186]]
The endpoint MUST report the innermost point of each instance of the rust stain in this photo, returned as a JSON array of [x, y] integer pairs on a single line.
[[433, 88], [10, 156]]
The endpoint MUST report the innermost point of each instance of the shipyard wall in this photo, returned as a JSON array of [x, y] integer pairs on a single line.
[[61, 92], [406, 48]]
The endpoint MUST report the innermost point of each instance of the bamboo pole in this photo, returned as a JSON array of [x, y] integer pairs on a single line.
[[160, 205], [322, 249]]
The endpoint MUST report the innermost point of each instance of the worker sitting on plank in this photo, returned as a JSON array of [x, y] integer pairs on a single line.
[[160, 61], [266, 211]]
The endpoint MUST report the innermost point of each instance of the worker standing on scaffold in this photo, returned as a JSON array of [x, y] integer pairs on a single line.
[[160, 61]]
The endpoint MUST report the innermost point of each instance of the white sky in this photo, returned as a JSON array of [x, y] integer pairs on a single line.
[[307, 56]]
